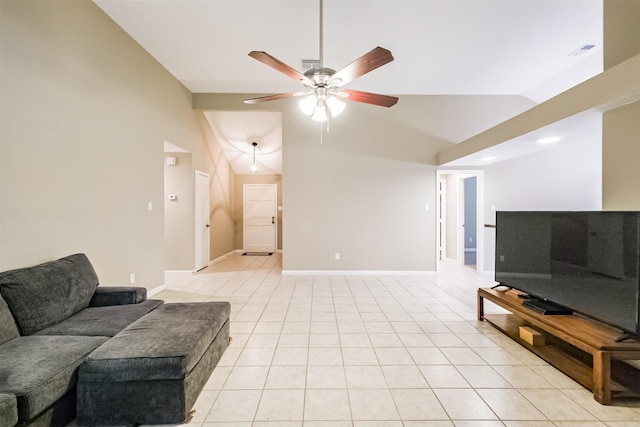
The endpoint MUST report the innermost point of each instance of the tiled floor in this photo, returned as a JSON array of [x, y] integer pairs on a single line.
[[374, 351]]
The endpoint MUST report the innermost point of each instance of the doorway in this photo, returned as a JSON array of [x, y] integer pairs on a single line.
[[460, 237], [259, 218], [203, 226]]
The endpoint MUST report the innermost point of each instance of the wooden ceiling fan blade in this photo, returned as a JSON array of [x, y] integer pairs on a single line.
[[272, 97], [280, 66], [368, 98], [371, 60]]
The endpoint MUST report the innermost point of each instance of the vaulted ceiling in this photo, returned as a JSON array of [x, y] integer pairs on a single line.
[[457, 56]]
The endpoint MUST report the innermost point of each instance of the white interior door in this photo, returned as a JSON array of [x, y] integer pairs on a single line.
[[203, 232], [260, 213]]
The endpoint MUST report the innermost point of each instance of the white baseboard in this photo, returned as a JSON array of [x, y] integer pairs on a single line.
[[355, 273], [156, 290]]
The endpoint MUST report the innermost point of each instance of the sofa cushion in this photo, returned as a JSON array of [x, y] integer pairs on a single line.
[[165, 344], [45, 294], [8, 410], [39, 370], [8, 328], [101, 321]]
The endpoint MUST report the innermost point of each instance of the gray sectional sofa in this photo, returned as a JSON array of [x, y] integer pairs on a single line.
[[60, 332]]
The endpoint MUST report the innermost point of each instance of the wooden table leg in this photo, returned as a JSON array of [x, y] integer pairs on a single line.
[[602, 377], [480, 307]]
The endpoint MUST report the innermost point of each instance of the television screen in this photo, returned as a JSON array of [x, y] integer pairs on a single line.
[[586, 261]]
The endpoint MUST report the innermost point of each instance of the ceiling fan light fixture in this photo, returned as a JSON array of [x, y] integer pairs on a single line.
[[307, 105], [336, 107], [320, 113]]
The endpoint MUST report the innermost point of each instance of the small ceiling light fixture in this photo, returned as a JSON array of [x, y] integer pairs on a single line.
[[549, 140], [488, 158], [254, 166]]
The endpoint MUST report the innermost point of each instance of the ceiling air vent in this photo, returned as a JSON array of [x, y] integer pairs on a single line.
[[585, 48], [308, 64]]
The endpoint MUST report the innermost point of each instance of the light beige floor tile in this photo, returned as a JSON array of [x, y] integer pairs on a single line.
[[443, 376], [428, 356], [497, 356], [464, 404], [325, 356], [217, 378], [556, 406], [446, 340], [324, 327], [557, 378], [529, 424], [354, 340], [404, 377], [415, 340], [325, 405], [286, 377], [276, 424], [462, 356], [324, 340], [262, 341], [522, 377], [203, 405], [509, 404], [296, 327], [377, 424], [393, 356], [359, 356], [482, 376], [385, 340], [372, 405], [602, 412], [230, 356], [247, 378], [326, 377], [229, 424], [255, 357], [351, 327], [235, 405], [285, 356], [281, 405], [428, 424], [496, 423], [268, 327], [418, 404], [293, 340], [308, 423], [359, 377]]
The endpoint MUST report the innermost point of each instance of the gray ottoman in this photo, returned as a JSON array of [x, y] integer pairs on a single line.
[[8, 410], [153, 371]]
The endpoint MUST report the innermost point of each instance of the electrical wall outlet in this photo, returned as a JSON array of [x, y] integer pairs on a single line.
[[132, 278], [337, 256]]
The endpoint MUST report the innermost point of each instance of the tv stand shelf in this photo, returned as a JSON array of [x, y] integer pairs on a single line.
[[582, 348]]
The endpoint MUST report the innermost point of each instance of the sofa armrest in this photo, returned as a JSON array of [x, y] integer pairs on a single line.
[[113, 295]]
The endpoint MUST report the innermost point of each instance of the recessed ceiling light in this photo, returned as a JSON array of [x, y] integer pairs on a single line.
[[549, 140], [488, 158]]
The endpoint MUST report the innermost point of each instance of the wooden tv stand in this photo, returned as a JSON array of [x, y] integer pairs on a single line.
[[582, 348]]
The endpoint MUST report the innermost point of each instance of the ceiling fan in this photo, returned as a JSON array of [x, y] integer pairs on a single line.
[[324, 86]]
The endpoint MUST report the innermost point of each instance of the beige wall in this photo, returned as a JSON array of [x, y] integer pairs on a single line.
[[84, 113], [238, 210], [179, 224], [361, 192], [621, 29], [621, 126], [620, 158]]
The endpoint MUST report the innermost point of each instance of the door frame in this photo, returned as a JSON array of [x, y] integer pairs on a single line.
[[460, 175], [244, 214], [202, 246]]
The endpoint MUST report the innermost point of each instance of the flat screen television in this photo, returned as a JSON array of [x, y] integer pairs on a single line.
[[586, 261]]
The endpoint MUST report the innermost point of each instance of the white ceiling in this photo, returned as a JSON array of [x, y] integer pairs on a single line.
[[520, 48]]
